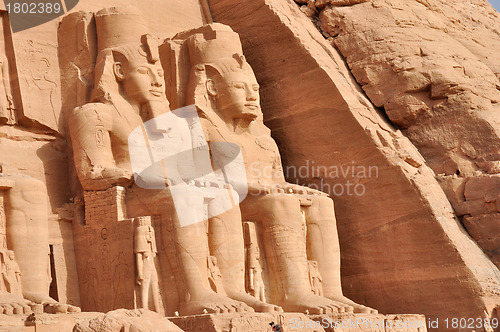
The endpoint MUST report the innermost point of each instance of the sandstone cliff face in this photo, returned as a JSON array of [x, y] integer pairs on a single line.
[[436, 82], [433, 66]]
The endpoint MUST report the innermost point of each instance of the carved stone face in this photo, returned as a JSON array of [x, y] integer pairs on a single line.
[[142, 81], [237, 94]]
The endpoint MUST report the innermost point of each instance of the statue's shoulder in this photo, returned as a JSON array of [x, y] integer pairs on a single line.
[[209, 128], [93, 108], [92, 112], [267, 142]]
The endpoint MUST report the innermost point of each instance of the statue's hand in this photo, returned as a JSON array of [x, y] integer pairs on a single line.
[[311, 191], [118, 176], [291, 188], [154, 181], [139, 280], [210, 183], [220, 184], [10, 101], [258, 189]]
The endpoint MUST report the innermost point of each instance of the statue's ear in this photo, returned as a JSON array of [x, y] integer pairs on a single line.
[[212, 90], [118, 70]]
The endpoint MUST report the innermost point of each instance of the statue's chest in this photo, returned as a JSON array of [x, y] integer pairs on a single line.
[[255, 150], [122, 126]]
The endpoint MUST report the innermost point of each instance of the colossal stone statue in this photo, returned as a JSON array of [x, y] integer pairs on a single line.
[[24, 217], [128, 94], [223, 87]]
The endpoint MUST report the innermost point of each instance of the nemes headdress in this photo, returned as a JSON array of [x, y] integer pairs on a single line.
[[217, 46], [120, 30], [213, 47]]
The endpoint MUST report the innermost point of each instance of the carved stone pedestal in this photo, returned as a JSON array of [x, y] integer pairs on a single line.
[[105, 253]]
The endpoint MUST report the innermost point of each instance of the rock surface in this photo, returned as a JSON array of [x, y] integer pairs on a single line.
[[434, 68]]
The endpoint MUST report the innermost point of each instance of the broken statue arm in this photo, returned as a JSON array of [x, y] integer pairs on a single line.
[[90, 127]]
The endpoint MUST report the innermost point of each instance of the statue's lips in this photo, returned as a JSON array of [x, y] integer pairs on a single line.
[[253, 107], [156, 93]]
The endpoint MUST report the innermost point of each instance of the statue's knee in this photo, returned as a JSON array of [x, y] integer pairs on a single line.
[[27, 190], [323, 201], [322, 207], [281, 203]]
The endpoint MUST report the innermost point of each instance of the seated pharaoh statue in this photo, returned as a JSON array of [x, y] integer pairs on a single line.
[[24, 246], [128, 111], [223, 87]]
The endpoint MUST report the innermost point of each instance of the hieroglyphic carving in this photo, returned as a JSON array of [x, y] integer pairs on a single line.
[[39, 81], [89, 285], [106, 268], [40, 78], [99, 136], [7, 111], [120, 275]]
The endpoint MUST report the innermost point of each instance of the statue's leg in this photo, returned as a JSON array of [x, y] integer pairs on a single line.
[[186, 246], [145, 287], [28, 235], [285, 248], [155, 291], [324, 248], [261, 291], [227, 244], [323, 243]]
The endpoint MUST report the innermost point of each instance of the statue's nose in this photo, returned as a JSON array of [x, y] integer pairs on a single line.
[[251, 94], [157, 80]]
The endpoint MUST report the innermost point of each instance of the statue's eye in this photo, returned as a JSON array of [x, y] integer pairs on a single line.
[[160, 72], [239, 85], [142, 70], [255, 87]]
